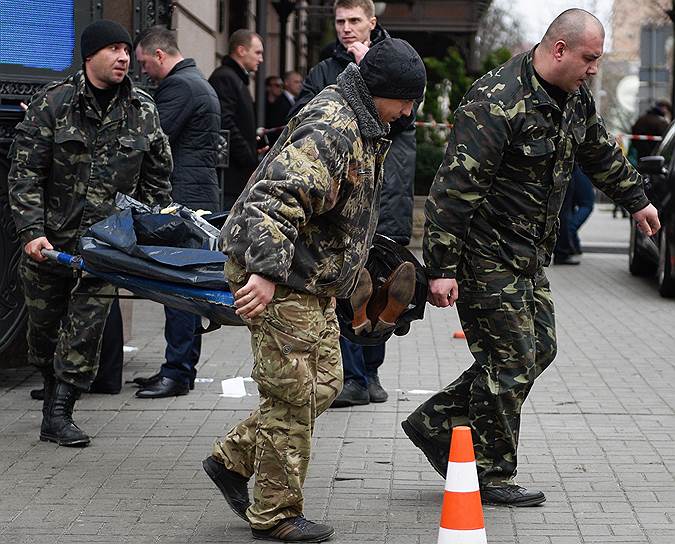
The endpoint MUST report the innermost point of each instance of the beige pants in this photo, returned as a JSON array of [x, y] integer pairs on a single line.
[[297, 367]]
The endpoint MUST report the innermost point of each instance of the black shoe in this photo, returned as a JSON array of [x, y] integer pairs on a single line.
[[511, 495], [165, 387], [567, 259], [375, 389], [232, 485], [150, 380], [296, 529], [437, 458], [57, 416], [37, 394], [352, 394]]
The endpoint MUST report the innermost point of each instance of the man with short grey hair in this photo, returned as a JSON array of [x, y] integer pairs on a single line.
[[189, 113], [292, 85]]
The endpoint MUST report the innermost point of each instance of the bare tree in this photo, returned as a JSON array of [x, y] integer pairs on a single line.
[[499, 29], [658, 11]]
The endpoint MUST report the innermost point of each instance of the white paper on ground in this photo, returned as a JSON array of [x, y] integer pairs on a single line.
[[129, 349], [420, 392], [233, 387]]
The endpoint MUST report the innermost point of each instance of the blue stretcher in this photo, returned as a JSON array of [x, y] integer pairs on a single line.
[[171, 258], [215, 305], [168, 258]]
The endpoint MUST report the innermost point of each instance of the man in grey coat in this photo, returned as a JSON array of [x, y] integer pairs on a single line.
[[189, 112]]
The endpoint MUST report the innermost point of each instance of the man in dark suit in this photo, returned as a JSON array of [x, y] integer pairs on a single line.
[[276, 108], [292, 86], [281, 96], [189, 113], [237, 113]]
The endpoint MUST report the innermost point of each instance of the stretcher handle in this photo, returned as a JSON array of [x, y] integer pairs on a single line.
[[63, 258]]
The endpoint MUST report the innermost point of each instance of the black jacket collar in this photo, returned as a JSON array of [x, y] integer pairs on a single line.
[[234, 65], [185, 63]]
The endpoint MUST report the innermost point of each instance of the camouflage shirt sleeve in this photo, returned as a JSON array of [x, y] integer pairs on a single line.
[[601, 158], [154, 186], [475, 147], [303, 180], [31, 156]]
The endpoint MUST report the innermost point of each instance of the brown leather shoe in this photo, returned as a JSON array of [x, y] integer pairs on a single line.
[[296, 529], [391, 300], [359, 301]]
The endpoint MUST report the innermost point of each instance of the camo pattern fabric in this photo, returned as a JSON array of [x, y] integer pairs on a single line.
[[297, 366], [491, 222], [66, 317], [509, 324], [507, 166], [69, 160], [308, 214]]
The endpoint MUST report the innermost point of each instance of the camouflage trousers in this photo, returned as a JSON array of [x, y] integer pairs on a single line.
[[65, 320], [296, 365], [510, 329]]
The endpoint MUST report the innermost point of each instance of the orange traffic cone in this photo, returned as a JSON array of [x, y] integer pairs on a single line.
[[462, 513]]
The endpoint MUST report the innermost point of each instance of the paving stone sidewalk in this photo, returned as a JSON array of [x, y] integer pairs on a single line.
[[597, 435]]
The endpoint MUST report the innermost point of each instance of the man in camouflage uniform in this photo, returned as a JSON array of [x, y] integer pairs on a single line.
[[296, 238], [357, 29], [491, 221], [82, 140]]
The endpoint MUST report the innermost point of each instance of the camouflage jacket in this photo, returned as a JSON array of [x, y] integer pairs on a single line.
[[508, 162], [308, 214], [68, 160]]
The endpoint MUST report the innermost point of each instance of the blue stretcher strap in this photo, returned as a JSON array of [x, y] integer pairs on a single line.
[[128, 281]]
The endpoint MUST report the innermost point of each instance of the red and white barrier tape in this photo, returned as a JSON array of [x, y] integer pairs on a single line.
[[434, 124], [642, 137]]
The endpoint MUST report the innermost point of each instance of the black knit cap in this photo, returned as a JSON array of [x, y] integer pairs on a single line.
[[393, 69], [101, 33]]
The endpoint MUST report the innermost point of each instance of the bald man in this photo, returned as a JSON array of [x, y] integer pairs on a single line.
[[491, 224]]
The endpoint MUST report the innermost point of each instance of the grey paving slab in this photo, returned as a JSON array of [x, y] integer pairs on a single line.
[[597, 435]]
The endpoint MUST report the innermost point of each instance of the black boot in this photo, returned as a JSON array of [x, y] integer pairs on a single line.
[[48, 382], [57, 416], [47, 391]]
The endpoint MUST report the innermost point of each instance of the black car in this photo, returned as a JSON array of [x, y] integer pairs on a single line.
[[656, 255]]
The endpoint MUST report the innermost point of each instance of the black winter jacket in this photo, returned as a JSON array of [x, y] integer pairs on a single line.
[[190, 116], [238, 116], [396, 204]]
